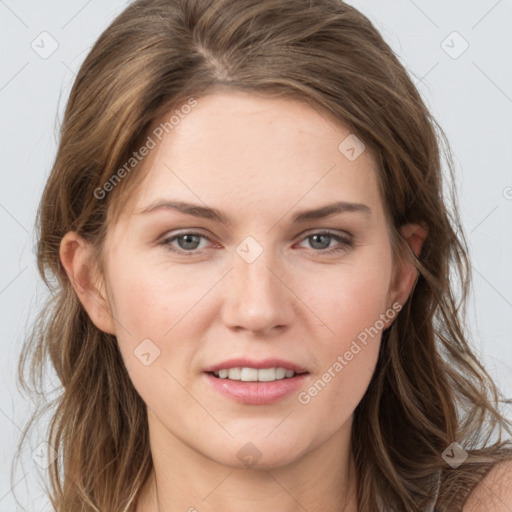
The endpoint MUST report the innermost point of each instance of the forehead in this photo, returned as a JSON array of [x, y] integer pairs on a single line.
[[240, 150]]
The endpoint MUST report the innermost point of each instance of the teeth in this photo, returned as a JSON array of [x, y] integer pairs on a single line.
[[234, 373], [249, 374], [266, 374], [255, 375]]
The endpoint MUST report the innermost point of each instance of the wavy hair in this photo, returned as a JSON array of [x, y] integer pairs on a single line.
[[428, 389]]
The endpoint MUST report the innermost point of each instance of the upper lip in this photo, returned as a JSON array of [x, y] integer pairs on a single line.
[[242, 362]]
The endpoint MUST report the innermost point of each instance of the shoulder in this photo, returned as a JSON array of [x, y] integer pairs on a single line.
[[494, 492]]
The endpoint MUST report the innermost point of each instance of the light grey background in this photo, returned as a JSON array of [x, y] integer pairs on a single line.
[[470, 93]]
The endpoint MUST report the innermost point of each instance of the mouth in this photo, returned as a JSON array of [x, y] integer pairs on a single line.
[[249, 374], [256, 382]]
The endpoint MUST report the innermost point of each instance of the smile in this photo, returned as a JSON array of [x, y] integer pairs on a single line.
[[247, 374]]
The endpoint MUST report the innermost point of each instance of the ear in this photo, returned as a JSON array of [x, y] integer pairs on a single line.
[[405, 274], [76, 256]]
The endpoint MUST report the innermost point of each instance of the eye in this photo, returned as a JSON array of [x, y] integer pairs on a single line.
[[321, 241], [187, 243]]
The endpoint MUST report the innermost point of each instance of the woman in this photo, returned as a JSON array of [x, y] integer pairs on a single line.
[[253, 307]]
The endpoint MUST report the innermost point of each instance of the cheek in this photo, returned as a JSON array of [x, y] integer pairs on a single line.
[[167, 306], [153, 309], [352, 304], [351, 298], [149, 299]]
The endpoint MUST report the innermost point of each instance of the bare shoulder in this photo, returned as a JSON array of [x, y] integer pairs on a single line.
[[494, 492]]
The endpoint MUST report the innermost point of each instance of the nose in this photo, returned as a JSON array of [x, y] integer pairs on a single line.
[[256, 297]]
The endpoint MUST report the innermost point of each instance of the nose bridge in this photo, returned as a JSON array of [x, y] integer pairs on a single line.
[[253, 268], [257, 299]]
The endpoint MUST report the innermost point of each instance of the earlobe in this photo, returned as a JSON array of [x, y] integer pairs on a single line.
[[76, 256]]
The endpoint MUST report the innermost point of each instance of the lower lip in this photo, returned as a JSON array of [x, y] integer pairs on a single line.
[[257, 393]]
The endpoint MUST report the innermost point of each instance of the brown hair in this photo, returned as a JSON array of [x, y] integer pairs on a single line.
[[428, 389]]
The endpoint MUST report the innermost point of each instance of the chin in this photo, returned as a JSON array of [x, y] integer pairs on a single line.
[[259, 453]]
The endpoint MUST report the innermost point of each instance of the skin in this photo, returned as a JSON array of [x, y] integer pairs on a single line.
[[259, 161], [494, 492]]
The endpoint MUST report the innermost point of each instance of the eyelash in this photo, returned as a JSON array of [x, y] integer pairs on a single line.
[[345, 242]]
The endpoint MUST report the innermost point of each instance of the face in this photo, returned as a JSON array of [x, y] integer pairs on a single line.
[[257, 275]]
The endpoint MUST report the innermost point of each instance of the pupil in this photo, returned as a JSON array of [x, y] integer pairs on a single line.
[[187, 240], [315, 239]]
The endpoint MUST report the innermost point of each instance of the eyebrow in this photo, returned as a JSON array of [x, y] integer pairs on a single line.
[[218, 216]]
